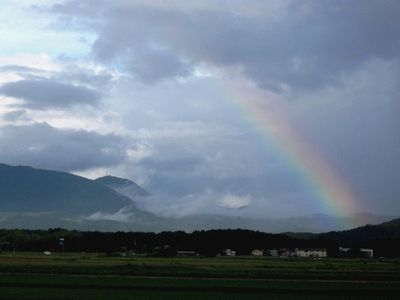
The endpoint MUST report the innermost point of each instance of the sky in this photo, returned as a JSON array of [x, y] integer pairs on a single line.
[[244, 108]]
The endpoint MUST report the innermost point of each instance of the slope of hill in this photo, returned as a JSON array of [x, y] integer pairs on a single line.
[[123, 186], [366, 234], [25, 189]]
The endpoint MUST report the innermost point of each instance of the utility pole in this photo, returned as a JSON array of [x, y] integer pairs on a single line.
[[61, 243]]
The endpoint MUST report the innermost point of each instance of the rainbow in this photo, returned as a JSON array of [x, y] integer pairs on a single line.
[[275, 130]]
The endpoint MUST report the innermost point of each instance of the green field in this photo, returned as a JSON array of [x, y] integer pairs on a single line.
[[90, 276]]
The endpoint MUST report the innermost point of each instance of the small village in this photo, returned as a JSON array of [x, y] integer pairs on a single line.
[[282, 252], [168, 251]]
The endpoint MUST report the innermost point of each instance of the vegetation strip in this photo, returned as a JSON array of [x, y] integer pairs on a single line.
[[194, 288]]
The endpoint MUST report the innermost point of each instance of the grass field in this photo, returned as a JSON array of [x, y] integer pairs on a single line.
[[90, 276]]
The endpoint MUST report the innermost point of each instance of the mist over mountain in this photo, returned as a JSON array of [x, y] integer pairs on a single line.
[[123, 186], [40, 199]]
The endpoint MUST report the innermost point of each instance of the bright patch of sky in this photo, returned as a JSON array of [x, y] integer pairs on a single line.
[[26, 28]]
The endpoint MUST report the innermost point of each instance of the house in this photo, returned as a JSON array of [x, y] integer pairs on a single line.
[[229, 252], [186, 253], [272, 252], [165, 251], [257, 252], [285, 252], [356, 252], [343, 250], [5, 246], [367, 252], [305, 252]]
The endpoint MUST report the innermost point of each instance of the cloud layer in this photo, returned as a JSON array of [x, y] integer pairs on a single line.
[[143, 90], [305, 46], [45, 93], [43, 146]]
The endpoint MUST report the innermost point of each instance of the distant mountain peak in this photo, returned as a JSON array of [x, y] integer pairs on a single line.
[[394, 222], [109, 179], [27, 189], [123, 186]]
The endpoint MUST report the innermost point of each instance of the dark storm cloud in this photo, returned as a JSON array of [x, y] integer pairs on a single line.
[[43, 146], [309, 46], [47, 93]]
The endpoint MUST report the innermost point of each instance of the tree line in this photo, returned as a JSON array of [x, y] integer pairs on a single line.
[[204, 242]]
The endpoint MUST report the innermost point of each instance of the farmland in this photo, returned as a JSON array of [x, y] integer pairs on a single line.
[[95, 276]]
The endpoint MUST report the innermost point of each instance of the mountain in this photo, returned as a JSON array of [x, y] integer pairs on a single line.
[[311, 224], [25, 189], [322, 222], [35, 198], [123, 186], [383, 238], [365, 234]]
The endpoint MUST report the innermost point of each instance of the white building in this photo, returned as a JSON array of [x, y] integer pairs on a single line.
[[299, 252], [229, 252], [343, 250], [367, 252], [272, 252], [364, 252], [257, 252], [186, 253]]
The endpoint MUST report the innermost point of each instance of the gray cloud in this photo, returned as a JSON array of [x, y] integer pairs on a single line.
[[15, 115], [43, 146], [47, 93], [153, 65], [18, 69], [308, 46], [182, 163], [81, 76], [353, 125], [356, 128], [234, 202]]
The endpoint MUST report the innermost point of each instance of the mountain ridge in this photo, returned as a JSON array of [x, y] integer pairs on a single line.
[[36, 198], [123, 186], [27, 189]]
